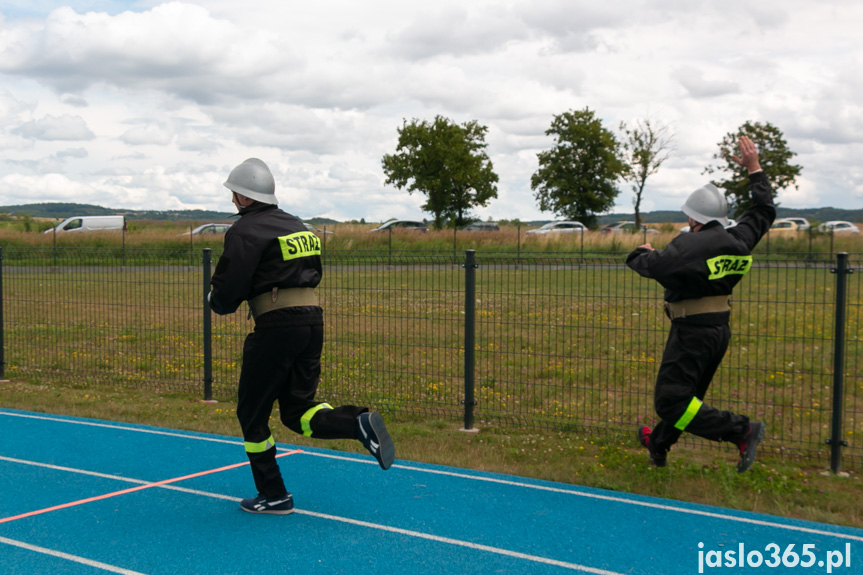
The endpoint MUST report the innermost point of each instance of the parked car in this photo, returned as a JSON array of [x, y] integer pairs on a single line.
[[731, 224], [394, 225], [783, 226], [626, 227], [559, 228], [838, 227], [209, 229], [316, 230], [481, 227], [802, 223], [89, 224]]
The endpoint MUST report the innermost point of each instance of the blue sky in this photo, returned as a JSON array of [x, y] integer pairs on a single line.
[[41, 8], [148, 105]]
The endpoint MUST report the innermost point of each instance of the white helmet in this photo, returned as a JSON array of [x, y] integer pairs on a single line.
[[253, 179], [706, 204]]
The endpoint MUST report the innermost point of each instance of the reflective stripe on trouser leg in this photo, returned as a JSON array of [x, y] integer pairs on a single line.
[[689, 414], [306, 419], [260, 446]]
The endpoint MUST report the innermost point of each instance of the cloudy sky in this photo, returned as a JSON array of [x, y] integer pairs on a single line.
[[149, 105]]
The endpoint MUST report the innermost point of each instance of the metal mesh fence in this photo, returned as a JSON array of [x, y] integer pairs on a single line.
[[562, 341], [82, 315], [395, 332]]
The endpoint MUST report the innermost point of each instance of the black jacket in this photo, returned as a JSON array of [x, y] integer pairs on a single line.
[[712, 260], [266, 248]]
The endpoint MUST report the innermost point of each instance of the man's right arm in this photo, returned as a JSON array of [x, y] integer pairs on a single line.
[[756, 221], [232, 278], [637, 260]]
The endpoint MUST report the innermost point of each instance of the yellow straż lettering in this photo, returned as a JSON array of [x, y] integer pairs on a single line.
[[721, 266], [300, 245]]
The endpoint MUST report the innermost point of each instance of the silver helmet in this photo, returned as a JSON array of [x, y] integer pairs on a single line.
[[707, 204], [253, 179]]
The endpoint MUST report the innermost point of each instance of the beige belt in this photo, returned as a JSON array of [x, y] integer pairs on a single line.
[[279, 298], [689, 307]]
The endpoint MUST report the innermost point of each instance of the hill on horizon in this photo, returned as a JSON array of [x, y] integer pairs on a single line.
[[59, 210], [812, 214]]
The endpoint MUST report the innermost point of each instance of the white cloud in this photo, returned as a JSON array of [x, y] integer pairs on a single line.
[[148, 134], [698, 86], [55, 128], [46, 188], [169, 96], [174, 47], [72, 153], [455, 31]]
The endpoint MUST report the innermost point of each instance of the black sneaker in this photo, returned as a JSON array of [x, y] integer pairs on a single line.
[[656, 459], [374, 437], [748, 445], [260, 504]]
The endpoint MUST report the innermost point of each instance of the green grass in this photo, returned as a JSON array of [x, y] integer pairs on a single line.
[[569, 349], [777, 486], [556, 347]]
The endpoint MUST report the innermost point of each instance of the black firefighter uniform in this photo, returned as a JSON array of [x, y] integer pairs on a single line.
[[272, 261], [699, 271]]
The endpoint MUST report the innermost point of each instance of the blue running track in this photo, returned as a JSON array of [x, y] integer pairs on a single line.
[[90, 497]]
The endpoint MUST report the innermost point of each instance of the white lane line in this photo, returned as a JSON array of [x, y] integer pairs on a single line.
[[647, 504], [614, 499], [68, 557], [399, 531], [123, 428], [600, 497], [115, 477], [460, 543], [133, 489]]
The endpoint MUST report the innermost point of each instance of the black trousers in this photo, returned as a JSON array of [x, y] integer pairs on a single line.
[[284, 364], [690, 360]]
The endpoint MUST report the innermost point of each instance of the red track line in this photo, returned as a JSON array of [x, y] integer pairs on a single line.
[[133, 489]]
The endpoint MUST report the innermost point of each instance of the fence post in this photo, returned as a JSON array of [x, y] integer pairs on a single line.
[[582, 243], [2, 326], [836, 442], [469, 338], [454, 242], [518, 245], [208, 329]]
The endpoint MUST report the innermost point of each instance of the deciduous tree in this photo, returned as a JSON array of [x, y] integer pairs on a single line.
[[646, 146], [576, 177], [773, 155], [446, 162]]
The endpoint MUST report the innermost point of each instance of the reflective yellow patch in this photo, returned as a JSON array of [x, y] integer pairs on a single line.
[[689, 414], [306, 419], [260, 447], [300, 245], [721, 266]]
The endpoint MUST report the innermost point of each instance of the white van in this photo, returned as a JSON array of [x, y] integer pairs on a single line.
[[89, 224]]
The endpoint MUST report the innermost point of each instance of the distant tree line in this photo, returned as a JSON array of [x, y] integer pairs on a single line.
[[578, 175]]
